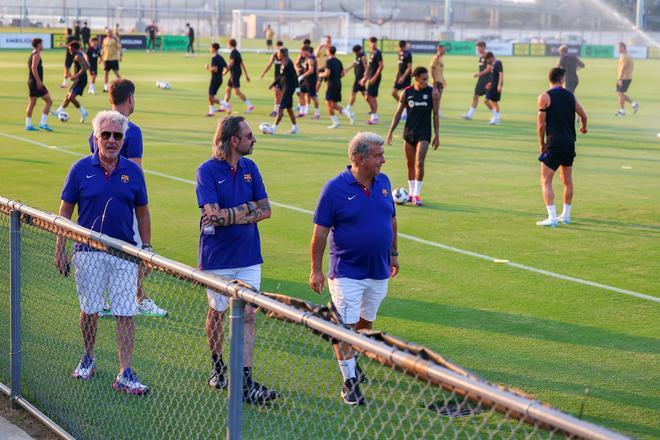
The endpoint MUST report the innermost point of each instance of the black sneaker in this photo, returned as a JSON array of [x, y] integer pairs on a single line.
[[351, 393], [218, 379], [361, 377], [255, 393]]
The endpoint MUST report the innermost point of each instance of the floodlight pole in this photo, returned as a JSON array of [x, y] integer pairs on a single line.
[[639, 15]]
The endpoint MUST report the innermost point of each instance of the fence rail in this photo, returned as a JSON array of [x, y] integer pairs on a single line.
[[411, 392]]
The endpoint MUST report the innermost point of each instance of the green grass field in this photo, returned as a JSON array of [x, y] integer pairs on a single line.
[[551, 337]]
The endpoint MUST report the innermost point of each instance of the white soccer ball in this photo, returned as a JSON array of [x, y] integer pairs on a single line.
[[400, 196], [163, 85], [264, 127], [63, 116], [62, 20]]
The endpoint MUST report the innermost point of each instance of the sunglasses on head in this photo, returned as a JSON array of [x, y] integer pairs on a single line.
[[118, 135]]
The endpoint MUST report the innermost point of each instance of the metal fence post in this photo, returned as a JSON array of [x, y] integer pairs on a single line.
[[237, 319], [15, 307]]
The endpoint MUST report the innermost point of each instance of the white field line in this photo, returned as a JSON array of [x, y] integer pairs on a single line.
[[402, 235]]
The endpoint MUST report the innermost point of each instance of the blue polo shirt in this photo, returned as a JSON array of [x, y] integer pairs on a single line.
[[106, 203], [360, 224], [236, 245], [131, 148]]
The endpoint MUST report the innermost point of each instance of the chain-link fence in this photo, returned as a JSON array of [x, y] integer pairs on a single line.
[[410, 392]]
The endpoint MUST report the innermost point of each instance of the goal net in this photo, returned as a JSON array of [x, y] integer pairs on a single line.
[[250, 24]]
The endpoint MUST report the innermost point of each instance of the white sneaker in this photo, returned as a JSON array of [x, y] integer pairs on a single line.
[[494, 121], [635, 106], [149, 308], [333, 126], [564, 219], [547, 222], [294, 130], [352, 118], [466, 117], [85, 369], [620, 113], [83, 116]]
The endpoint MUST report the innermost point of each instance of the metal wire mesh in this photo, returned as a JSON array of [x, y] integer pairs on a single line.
[[171, 356], [4, 297]]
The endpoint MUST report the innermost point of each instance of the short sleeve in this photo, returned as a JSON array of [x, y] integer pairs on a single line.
[[409, 58], [205, 187], [133, 143], [70, 190], [258, 188], [325, 211], [141, 197]]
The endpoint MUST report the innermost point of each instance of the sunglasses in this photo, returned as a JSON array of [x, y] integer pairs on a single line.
[[118, 135]]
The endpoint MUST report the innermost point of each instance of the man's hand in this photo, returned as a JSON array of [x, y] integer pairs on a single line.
[[475, 75], [583, 129], [40, 85], [363, 82], [388, 138], [400, 80], [499, 89], [444, 84], [619, 82], [62, 261], [206, 66], [436, 142], [542, 147], [317, 281], [247, 77], [394, 266], [488, 85]]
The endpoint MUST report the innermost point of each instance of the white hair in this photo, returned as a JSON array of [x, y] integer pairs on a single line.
[[359, 145], [109, 116]]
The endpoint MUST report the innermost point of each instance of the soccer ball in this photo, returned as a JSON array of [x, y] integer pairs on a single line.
[[63, 116], [163, 85], [61, 20], [400, 196], [264, 127]]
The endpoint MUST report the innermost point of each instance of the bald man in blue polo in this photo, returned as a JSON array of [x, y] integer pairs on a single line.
[[357, 207]]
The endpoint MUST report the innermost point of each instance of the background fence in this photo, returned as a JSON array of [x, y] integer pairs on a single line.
[[410, 392]]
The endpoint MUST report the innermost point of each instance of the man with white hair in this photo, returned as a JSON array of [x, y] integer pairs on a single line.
[[108, 189], [357, 207]]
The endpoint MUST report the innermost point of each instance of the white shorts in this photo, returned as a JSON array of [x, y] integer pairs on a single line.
[[136, 232], [98, 273], [250, 275], [355, 299]]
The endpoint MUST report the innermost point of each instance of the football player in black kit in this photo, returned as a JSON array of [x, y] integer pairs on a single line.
[[334, 70], [37, 88], [274, 60], [79, 79], [404, 69], [556, 132], [483, 77], [308, 77], [92, 54], [372, 79], [218, 67], [288, 80], [422, 101], [236, 68], [360, 66], [68, 58]]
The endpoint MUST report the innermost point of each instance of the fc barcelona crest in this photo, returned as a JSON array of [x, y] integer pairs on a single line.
[[125, 178], [247, 177], [385, 192]]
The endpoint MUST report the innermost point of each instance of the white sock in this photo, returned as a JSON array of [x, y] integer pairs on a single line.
[[470, 112], [374, 116], [64, 81], [273, 128], [247, 102], [81, 109], [28, 121], [622, 110], [552, 212], [91, 88], [334, 119], [418, 190], [44, 118], [211, 108], [347, 368], [411, 187], [294, 126], [276, 107], [566, 212], [493, 112], [348, 107], [306, 109], [105, 87], [317, 112], [59, 109], [346, 113]]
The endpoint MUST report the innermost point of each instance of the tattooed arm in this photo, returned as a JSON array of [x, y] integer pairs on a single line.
[[214, 215], [261, 212]]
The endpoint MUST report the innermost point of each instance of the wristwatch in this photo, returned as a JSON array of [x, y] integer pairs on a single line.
[[394, 253], [147, 247]]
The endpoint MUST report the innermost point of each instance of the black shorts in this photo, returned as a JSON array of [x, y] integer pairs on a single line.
[[68, 60], [234, 81], [571, 84], [440, 87], [287, 98], [623, 88], [413, 138], [555, 156], [78, 87], [111, 65], [304, 87], [34, 91], [333, 93], [214, 86], [94, 69], [480, 88], [493, 95], [372, 90], [310, 86], [357, 87], [403, 85], [269, 42]]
